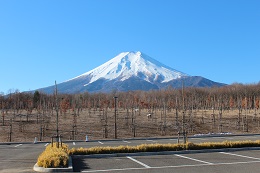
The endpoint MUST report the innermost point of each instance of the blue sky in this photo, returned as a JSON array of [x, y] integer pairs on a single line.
[[44, 41]]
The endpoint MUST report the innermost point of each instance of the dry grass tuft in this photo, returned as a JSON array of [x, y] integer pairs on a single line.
[[54, 157], [163, 147]]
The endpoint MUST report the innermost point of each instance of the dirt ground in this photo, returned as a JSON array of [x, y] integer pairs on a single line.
[[100, 124]]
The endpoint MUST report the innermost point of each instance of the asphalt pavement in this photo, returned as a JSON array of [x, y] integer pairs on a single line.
[[237, 162], [21, 157]]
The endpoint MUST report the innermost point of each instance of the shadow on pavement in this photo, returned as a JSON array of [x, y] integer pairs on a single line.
[[79, 164]]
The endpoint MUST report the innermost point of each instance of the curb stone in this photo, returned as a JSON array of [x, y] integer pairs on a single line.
[[70, 168], [42, 169], [142, 138], [166, 152]]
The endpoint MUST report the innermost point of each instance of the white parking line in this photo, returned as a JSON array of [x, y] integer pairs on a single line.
[[177, 166], [218, 137], [202, 139], [146, 166], [18, 145], [253, 136], [229, 138], [100, 142], [193, 159], [232, 154], [127, 142], [150, 140], [111, 170], [250, 137], [74, 143], [46, 144]]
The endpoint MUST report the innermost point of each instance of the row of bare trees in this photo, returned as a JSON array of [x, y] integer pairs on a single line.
[[157, 104], [227, 98]]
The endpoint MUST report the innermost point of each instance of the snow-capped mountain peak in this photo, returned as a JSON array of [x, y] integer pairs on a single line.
[[129, 64], [130, 71]]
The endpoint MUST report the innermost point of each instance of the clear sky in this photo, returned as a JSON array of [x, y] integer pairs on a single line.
[[48, 40]]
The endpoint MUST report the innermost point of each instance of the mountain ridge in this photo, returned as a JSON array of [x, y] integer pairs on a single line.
[[127, 64], [130, 71]]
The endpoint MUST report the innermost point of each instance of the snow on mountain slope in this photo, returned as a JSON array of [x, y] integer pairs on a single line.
[[129, 64], [130, 71]]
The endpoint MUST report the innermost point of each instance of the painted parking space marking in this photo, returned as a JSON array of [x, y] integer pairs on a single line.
[[109, 170], [146, 166], [230, 138], [18, 145], [193, 159], [202, 139], [74, 143], [178, 166], [100, 142], [219, 137], [232, 154], [254, 136], [46, 144], [126, 141], [250, 136], [150, 140]]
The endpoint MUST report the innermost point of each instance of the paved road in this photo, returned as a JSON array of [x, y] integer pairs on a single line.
[[217, 162], [133, 142], [21, 157]]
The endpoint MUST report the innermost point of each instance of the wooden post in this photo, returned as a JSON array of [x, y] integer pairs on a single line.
[[115, 119], [183, 115], [11, 130]]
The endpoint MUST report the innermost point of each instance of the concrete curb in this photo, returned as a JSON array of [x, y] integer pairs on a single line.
[[167, 137], [166, 152], [70, 168], [42, 169], [130, 139]]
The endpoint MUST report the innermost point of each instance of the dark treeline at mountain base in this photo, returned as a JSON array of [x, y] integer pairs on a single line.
[[228, 97], [139, 113]]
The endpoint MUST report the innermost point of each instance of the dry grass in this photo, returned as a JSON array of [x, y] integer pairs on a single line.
[[92, 123], [54, 157], [163, 147]]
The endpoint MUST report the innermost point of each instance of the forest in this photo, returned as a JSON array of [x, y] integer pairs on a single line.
[[26, 115]]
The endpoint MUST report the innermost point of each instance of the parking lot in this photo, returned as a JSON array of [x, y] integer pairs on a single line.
[[238, 161], [21, 157], [134, 142]]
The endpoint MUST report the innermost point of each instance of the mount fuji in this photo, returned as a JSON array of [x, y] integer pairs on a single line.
[[130, 71]]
